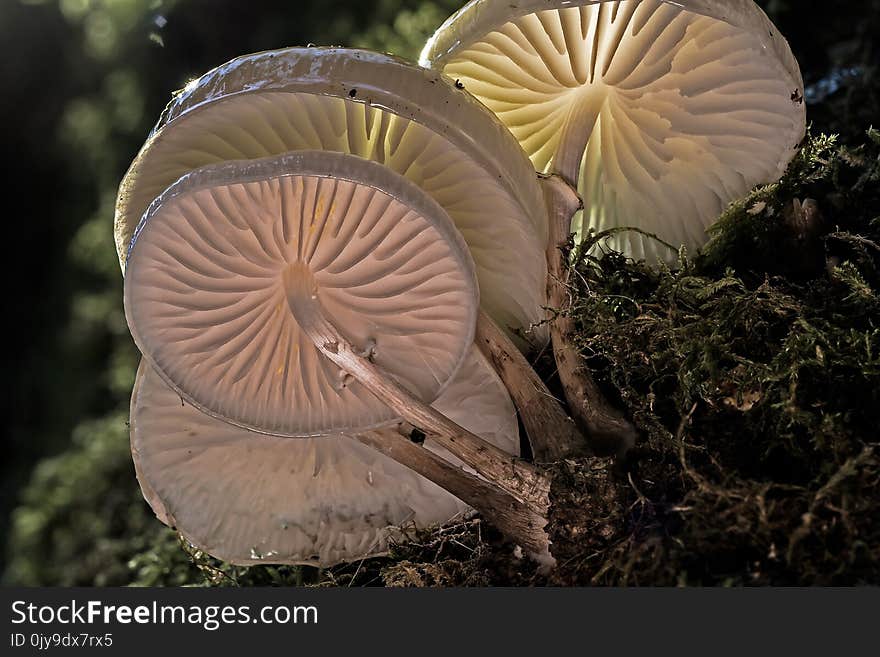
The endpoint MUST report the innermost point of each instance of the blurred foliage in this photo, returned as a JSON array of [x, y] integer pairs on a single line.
[[85, 81], [81, 521]]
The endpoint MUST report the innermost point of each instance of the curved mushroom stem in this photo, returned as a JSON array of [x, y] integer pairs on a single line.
[[520, 479], [552, 434], [576, 133], [520, 522], [606, 428]]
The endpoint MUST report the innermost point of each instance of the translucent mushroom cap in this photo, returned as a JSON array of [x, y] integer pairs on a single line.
[[248, 498], [411, 120], [217, 257], [662, 112]]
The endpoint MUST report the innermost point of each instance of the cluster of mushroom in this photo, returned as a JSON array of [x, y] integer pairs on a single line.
[[335, 260]]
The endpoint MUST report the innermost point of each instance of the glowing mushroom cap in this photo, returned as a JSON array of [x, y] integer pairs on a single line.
[[663, 112], [248, 498], [383, 109], [219, 253]]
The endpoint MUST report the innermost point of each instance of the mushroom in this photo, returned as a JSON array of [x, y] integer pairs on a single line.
[[247, 497], [318, 293], [658, 113], [224, 251]]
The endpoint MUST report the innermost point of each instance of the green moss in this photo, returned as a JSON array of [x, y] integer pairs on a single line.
[[753, 372]]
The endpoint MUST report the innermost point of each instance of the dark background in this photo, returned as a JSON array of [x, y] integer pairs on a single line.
[[83, 81]]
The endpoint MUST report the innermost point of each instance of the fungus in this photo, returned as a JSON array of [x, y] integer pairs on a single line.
[[659, 113], [316, 293], [315, 239], [247, 498]]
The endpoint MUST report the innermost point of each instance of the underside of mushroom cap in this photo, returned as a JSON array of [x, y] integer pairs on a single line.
[[378, 107], [220, 257], [662, 112], [250, 498]]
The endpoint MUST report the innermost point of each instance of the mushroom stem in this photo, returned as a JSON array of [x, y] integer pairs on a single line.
[[576, 133], [552, 434], [522, 523], [606, 428], [522, 480]]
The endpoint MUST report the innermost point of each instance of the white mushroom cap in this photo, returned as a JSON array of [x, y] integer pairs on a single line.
[[247, 498], [378, 107], [663, 112], [216, 256]]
